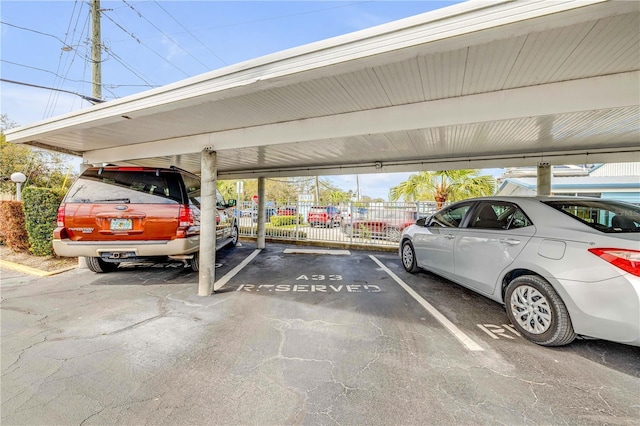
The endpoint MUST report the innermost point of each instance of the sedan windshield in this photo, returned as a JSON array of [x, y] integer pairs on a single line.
[[605, 216]]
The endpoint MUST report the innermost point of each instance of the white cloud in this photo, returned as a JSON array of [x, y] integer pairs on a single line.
[[173, 50]]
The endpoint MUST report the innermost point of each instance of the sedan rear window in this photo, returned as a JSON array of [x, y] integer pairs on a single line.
[[603, 215]]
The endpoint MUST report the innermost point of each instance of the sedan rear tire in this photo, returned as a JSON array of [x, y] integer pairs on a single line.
[[538, 312], [409, 257]]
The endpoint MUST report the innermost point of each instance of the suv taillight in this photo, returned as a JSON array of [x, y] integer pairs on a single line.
[[627, 260], [60, 218], [186, 218]]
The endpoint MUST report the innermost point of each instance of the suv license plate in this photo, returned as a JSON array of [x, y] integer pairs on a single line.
[[121, 224]]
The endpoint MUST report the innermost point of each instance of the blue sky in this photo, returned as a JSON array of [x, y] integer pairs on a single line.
[[152, 43]]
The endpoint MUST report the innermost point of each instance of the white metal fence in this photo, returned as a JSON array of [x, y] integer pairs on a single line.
[[369, 224]]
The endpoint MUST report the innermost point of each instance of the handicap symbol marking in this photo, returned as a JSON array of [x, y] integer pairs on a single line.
[[496, 331]]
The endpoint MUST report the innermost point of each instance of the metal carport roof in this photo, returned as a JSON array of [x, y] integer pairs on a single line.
[[479, 84]]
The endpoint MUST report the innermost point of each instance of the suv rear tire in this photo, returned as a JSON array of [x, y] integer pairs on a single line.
[[235, 233], [195, 262], [98, 265]]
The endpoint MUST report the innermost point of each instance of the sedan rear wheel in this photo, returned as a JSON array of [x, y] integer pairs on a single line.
[[537, 312], [409, 257]]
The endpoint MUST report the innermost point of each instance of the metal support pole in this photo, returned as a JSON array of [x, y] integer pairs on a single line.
[[208, 168], [96, 50], [261, 213], [544, 179]]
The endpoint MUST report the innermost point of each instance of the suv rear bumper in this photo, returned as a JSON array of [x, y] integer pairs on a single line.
[[144, 248]]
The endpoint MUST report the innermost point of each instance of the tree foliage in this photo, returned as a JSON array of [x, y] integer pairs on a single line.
[[285, 191], [443, 186], [42, 168]]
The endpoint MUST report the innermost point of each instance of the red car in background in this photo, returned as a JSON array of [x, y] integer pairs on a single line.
[[328, 216], [387, 224], [287, 211]]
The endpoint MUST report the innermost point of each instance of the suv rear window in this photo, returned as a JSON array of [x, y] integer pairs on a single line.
[[605, 216], [126, 186]]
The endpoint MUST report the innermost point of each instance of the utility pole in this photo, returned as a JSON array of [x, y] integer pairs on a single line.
[[96, 50]]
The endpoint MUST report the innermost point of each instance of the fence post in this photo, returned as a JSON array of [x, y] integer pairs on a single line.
[[351, 222]]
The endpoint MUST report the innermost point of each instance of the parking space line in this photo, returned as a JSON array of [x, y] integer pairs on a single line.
[[232, 273], [457, 333]]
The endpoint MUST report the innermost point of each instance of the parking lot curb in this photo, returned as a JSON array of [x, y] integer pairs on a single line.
[[325, 244], [32, 271]]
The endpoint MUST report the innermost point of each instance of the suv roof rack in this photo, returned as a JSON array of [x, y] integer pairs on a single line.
[[172, 167]]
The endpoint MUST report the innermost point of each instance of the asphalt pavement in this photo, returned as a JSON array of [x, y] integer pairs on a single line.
[[295, 337]]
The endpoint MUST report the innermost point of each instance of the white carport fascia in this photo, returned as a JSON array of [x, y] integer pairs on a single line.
[[611, 91], [442, 25], [605, 155]]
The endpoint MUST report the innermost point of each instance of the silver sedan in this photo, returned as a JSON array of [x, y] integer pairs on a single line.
[[563, 267]]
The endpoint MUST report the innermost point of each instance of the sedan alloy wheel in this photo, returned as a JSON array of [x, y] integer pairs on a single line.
[[409, 257], [530, 309], [537, 312]]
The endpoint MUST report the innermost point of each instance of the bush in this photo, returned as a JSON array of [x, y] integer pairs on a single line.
[[287, 234], [286, 220], [40, 213], [12, 227]]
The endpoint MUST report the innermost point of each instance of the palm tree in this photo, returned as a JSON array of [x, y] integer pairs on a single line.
[[442, 186]]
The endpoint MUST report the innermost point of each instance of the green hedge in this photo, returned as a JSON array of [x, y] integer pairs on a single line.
[[286, 220], [40, 213], [289, 234]]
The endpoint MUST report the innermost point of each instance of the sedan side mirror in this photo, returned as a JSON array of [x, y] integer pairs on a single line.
[[422, 221]]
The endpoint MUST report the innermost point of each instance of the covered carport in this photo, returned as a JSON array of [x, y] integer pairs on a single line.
[[479, 84]]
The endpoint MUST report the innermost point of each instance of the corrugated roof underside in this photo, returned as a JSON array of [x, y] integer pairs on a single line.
[[585, 130], [601, 47]]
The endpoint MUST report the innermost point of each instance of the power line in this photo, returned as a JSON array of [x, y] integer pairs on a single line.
[[53, 98], [150, 49], [87, 98], [190, 33], [33, 31], [107, 87], [274, 18], [166, 35], [121, 61]]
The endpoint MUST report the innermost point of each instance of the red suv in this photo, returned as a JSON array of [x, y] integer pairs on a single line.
[[328, 216], [125, 214]]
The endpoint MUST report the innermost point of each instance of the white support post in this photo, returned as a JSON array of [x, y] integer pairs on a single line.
[[261, 213], [207, 259], [544, 179]]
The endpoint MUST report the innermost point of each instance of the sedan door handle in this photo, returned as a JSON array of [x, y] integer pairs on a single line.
[[449, 236], [509, 241]]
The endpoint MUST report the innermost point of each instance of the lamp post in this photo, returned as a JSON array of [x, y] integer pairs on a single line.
[[19, 179]]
